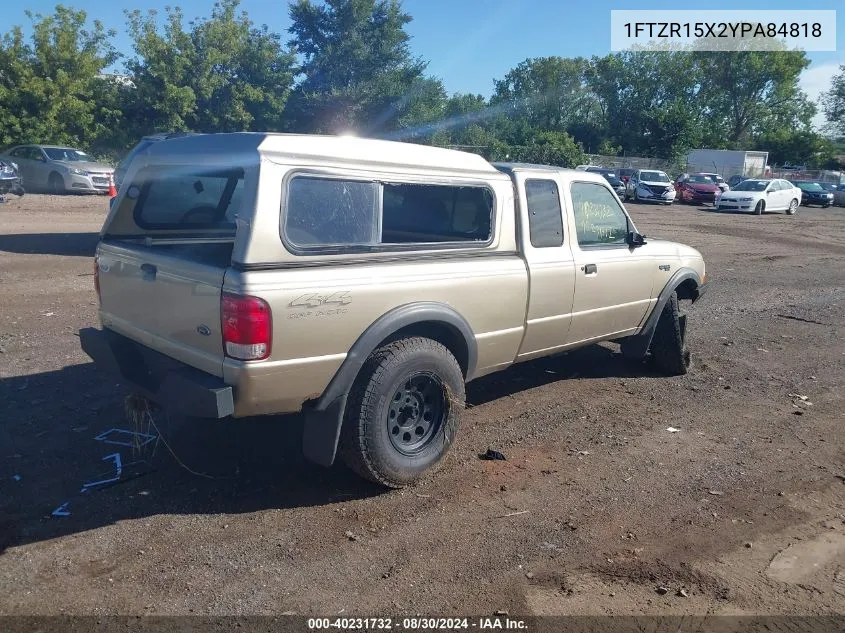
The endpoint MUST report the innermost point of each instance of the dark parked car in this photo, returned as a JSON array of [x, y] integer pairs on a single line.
[[813, 193], [611, 177], [696, 188]]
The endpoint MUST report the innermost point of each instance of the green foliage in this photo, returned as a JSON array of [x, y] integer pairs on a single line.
[[348, 67], [50, 88], [222, 74], [833, 103], [547, 93], [798, 146], [751, 93], [356, 72], [548, 148], [650, 101]]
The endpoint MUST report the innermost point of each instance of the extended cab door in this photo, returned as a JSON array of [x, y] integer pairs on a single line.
[[613, 281], [551, 269]]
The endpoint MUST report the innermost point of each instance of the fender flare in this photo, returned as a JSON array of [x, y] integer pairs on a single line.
[[637, 345], [324, 417]]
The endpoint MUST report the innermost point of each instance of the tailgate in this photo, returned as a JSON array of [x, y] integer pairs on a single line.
[[166, 302]]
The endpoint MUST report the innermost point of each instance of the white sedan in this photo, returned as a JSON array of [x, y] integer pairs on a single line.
[[761, 194]]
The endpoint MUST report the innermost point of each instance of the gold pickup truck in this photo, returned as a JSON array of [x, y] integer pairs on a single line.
[[364, 282]]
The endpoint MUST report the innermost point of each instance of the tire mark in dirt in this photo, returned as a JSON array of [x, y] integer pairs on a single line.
[[750, 234]]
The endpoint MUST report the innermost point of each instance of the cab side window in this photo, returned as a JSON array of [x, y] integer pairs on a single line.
[[599, 220], [545, 223]]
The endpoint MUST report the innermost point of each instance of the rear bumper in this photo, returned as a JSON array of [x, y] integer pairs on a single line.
[[173, 385]]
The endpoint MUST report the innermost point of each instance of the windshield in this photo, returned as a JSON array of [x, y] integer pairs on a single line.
[[752, 185], [701, 180], [612, 179], [808, 186], [653, 176], [827, 186], [66, 153]]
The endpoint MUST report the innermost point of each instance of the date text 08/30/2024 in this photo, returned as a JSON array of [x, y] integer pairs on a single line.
[[491, 623]]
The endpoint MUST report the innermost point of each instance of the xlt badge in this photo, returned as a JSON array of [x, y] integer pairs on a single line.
[[665, 267]]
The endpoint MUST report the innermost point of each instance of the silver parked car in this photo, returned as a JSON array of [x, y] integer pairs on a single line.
[[59, 169]]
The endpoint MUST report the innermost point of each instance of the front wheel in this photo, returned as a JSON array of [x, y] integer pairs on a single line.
[[403, 412], [668, 346], [793, 207], [56, 184], [758, 210]]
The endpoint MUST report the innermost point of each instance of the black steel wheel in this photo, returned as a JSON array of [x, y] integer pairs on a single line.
[[416, 413], [403, 412]]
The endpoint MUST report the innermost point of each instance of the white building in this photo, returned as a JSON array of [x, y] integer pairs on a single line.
[[727, 163]]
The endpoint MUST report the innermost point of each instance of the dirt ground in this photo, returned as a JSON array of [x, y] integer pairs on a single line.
[[599, 509]]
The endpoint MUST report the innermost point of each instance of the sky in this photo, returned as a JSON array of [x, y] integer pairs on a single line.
[[469, 43]]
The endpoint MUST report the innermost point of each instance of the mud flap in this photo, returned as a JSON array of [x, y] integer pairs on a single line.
[[321, 434]]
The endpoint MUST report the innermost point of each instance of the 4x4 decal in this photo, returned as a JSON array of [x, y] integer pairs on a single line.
[[317, 299]]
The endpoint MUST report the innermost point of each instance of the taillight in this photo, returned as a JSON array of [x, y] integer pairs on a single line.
[[247, 327], [97, 277]]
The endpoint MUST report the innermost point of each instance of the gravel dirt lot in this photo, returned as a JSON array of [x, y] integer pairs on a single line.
[[599, 509]]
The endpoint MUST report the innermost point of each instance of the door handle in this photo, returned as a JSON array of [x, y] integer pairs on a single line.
[[590, 269], [148, 272]]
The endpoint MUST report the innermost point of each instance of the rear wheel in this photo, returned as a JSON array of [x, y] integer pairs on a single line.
[[668, 346], [793, 207], [56, 184], [758, 210], [403, 412]]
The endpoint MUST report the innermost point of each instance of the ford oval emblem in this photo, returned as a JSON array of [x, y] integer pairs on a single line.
[[203, 329]]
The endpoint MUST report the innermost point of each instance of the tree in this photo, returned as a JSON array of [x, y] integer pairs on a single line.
[[50, 89], [833, 103], [163, 99], [356, 72], [547, 148], [751, 92], [548, 93], [650, 101], [803, 147], [222, 75]]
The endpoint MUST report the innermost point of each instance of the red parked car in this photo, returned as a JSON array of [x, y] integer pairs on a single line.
[[696, 188]]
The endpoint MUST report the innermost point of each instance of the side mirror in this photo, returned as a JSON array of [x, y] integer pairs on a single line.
[[634, 239]]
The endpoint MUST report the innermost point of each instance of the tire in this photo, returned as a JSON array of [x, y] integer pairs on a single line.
[[636, 196], [56, 184], [387, 436], [668, 348], [793, 207], [758, 210]]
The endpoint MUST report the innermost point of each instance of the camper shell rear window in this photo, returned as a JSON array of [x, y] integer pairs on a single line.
[[181, 199]]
